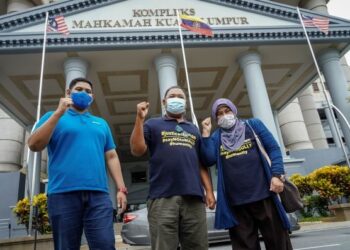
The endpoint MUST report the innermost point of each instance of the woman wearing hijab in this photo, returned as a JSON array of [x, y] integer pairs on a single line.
[[247, 200]]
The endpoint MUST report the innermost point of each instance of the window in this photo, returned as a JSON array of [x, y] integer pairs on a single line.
[[315, 87]]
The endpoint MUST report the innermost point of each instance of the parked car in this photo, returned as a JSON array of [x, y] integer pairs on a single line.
[[135, 229]]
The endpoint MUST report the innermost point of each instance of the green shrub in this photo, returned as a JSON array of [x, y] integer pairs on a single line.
[[315, 205], [321, 187], [41, 221], [330, 181], [303, 184]]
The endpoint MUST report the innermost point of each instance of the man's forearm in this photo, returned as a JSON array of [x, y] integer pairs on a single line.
[[205, 178], [137, 140], [115, 171], [41, 137]]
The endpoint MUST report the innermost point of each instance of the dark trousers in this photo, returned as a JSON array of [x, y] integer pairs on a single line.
[[177, 219], [72, 212], [259, 216]]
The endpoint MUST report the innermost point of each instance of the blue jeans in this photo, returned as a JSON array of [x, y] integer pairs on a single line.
[[72, 212]]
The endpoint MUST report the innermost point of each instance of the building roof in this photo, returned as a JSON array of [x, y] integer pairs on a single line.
[[23, 31]]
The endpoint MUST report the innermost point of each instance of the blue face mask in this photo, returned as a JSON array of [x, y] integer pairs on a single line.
[[176, 105], [81, 100]]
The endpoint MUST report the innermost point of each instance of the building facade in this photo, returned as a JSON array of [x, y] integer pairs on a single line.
[[258, 58]]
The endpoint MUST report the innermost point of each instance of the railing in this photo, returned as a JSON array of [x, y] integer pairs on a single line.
[[5, 224]]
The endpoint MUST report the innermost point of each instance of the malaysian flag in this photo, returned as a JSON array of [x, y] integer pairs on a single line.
[[58, 24], [322, 23], [196, 24]]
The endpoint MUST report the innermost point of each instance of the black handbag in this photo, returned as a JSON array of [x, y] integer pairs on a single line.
[[290, 196]]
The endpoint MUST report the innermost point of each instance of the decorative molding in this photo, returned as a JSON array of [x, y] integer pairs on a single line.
[[339, 29]]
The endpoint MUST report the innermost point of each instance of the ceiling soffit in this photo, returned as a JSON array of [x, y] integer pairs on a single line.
[[118, 91]]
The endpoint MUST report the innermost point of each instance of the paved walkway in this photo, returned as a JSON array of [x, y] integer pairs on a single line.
[[305, 227], [316, 226]]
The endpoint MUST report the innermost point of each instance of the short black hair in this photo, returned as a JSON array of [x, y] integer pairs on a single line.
[[173, 87], [79, 79]]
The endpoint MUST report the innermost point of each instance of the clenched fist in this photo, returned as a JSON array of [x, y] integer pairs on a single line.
[[206, 127], [142, 110], [64, 104]]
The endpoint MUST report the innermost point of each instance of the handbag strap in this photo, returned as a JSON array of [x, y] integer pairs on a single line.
[[260, 145], [263, 151]]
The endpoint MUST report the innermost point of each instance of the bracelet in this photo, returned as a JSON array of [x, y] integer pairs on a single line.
[[123, 190]]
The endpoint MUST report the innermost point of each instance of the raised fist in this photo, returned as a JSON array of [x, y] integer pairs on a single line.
[[64, 104], [142, 109], [206, 127]]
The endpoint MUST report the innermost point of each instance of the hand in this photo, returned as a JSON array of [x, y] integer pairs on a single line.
[[142, 109], [276, 185], [210, 201], [206, 127], [121, 202], [63, 105]]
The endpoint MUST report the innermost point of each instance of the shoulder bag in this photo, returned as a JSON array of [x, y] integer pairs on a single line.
[[290, 196]]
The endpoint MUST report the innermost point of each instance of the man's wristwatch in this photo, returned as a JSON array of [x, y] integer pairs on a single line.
[[280, 176], [123, 190]]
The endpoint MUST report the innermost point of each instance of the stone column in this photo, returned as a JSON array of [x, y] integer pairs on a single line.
[[18, 5], [336, 82], [74, 67], [34, 182], [250, 62], [293, 128], [11, 144], [312, 119], [306, 99], [166, 66], [279, 132], [315, 5]]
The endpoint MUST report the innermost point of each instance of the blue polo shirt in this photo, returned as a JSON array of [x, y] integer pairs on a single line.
[[243, 172], [76, 152], [174, 163]]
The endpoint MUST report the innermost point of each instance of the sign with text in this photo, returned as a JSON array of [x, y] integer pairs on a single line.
[[160, 15]]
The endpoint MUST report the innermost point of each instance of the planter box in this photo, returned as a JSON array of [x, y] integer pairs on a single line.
[[341, 211], [43, 242]]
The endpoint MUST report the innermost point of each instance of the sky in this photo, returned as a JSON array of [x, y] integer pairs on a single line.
[[340, 8]]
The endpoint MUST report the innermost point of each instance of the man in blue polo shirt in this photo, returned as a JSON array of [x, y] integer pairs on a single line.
[[176, 212], [79, 147]]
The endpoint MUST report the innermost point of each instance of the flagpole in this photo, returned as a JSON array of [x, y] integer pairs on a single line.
[[35, 161], [329, 104], [194, 119]]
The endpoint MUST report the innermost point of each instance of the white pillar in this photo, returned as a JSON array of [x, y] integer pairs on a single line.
[[166, 66], [34, 171], [293, 127], [250, 63], [312, 119], [315, 5], [11, 144], [306, 100], [74, 67], [18, 5], [336, 82], [279, 133]]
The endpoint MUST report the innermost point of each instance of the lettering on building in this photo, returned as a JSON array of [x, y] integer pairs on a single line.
[[143, 18]]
